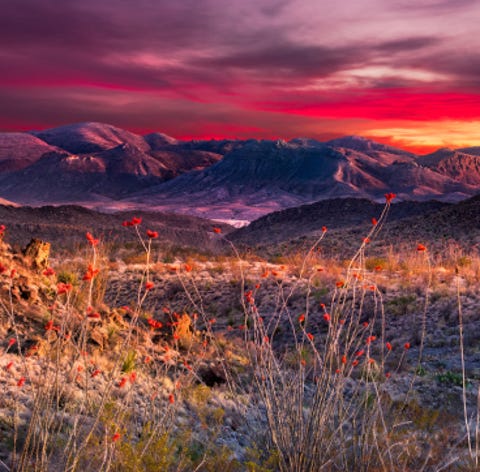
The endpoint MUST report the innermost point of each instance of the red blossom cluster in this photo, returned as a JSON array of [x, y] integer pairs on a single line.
[[152, 234], [390, 196], [63, 288], [91, 273], [91, 239], [154, 323], [135, 221]]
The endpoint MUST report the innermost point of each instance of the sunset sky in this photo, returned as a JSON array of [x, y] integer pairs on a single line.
[[400, 71]]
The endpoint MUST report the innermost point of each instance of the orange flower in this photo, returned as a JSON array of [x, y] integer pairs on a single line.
[[149, 285], [116, 437], [340, 284], [91, 239], [188, 268]]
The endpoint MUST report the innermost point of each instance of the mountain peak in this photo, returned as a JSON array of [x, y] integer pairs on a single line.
[[361, 144]]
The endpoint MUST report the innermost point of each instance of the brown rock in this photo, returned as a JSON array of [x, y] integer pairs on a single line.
[[37, 253]]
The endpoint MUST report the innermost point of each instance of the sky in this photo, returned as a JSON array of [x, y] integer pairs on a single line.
[[405, 72]]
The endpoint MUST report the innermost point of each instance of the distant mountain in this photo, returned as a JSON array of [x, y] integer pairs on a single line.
[[259, 177], [361, 144], [105, 167], [19, 150], [82, 138], [458, 165], [89, 163]]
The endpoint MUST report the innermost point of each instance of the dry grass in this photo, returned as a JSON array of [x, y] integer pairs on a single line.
[[238, 363]]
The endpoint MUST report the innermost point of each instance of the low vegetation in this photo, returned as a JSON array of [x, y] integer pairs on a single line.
[[167, 361]]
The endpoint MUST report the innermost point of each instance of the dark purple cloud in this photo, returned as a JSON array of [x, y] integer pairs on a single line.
[[173, 65]]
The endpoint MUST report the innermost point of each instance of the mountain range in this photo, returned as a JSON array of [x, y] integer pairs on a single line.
[[104, 167]]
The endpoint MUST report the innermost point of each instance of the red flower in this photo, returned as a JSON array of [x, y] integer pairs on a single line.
[[149, 285], [2, 268], [48, 272], [188, 268], [133, 377], [326, 317], [51, 327], [11, 342], [344, 359], [301, 318], [370, 339], [154, 323], [310, 336], [63, 288], [96, 372], [355, 363], [21, 381], [421, 248], [135, 221], [94, 315], [360, 353], [9, 365], [91, 273], [2, 229], [217, 230], [340, 284], [406, 345], [324, 229], [389, 197], [91, 239], [152, 234], [374, 221], [171, 398], [122, 382], [388, 346], [127, 224], [116, 437]]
